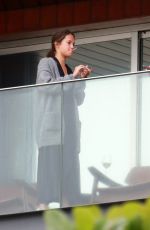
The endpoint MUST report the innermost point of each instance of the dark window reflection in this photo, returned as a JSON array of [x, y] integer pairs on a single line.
[[145, 54], [18, 69]]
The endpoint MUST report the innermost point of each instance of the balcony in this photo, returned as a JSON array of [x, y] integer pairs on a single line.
[[75, 143]]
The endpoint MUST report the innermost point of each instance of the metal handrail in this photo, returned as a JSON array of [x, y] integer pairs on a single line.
[[74, 80]]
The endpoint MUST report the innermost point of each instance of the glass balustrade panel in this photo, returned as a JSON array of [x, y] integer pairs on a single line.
[[30, 148], [99, 131], [56, 140]]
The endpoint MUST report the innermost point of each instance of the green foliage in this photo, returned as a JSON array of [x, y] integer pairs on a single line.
[[126, 216], [86, 218], [57, 220], [134, 223]]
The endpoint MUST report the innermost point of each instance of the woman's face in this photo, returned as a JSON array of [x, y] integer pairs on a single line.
[[66, 46]]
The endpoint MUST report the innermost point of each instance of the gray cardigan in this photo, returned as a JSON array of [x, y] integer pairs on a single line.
[[50, 99], [48, 71]]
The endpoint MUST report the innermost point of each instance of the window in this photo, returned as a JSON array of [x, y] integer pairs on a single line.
[[107, 57], [144, 106]]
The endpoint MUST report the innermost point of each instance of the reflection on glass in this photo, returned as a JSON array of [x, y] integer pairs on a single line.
[[106, 161]]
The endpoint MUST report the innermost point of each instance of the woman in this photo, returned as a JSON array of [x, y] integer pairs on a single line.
[[50, 138]]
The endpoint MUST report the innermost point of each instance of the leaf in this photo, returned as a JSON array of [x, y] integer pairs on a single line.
[[114, 212], [116, 224], [86, 217], [100, 224], [135, 224], [128, 210], [132, 209], [146, 215], [57, 220]]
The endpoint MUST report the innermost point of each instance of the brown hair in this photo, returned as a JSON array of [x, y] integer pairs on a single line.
[[58, 37]]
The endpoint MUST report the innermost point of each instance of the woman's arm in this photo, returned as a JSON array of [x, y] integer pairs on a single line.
[[47, 72]]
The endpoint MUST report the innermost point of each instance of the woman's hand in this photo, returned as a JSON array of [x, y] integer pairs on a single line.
[[85, 71], [82, 71]]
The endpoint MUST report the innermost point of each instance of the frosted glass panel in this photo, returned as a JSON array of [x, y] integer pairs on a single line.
[[30, 161], [107, 123], [105, 113], [75, 143], [145, 119]]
